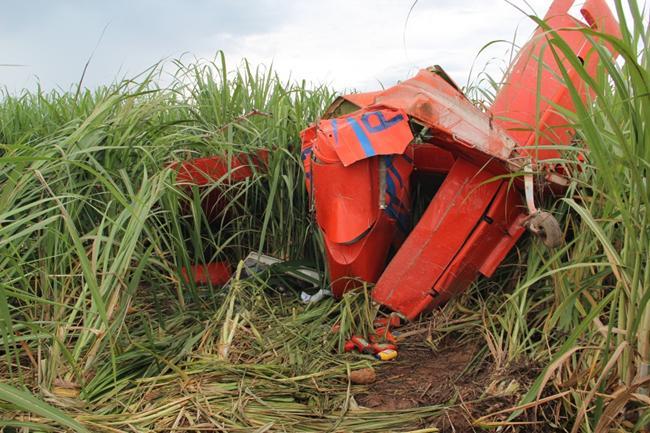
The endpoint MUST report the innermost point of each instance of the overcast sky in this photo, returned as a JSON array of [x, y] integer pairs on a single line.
[[345, 43]]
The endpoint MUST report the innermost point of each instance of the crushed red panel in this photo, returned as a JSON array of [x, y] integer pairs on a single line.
[[408, 284], [208, 172], [533, 121], [363, 134], [215, 273], [205, 171]]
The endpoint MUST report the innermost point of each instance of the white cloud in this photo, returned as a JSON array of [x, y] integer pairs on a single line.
[[356, 44], [345, 43]]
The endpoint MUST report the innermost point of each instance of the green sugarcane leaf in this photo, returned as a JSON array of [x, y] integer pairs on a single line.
[[27, 402]]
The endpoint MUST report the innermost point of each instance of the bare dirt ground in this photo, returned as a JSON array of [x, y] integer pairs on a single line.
[[456, 375]]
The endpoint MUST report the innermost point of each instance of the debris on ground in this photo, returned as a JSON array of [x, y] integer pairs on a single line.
[[364, 376], [454, 374]]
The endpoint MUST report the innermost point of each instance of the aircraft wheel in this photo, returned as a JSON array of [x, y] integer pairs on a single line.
[[544, 225]]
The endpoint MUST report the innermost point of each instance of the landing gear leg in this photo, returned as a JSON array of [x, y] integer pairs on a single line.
[[540, 223]]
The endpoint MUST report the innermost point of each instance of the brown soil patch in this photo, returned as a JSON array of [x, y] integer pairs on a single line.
[[451, 375]]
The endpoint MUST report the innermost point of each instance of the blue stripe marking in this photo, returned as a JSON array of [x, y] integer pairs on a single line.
[[362, 137], [390, 188], [391, 167], [335, 130], [305, 153], [392, 193], [402, 219], [395, 206], [303, 156], [383, 123]]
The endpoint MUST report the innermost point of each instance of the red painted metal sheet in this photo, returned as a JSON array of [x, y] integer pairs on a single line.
[[471, 242], [533, 121], [494, 236], [505, 220], [205, 171], [357, 233], [430, 158], [345, 199], [308, 137], [362, 99], [456, 124], [363, 134], [351, 265], [407, 283], [215, 273]]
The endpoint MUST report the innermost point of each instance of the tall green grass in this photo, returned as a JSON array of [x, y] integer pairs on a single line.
[[584, 311], [90, 222]]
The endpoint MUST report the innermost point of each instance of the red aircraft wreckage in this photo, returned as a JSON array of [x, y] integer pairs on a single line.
[[362, 157]]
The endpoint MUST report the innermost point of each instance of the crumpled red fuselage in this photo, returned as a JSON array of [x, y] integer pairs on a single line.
[[360, 158]]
